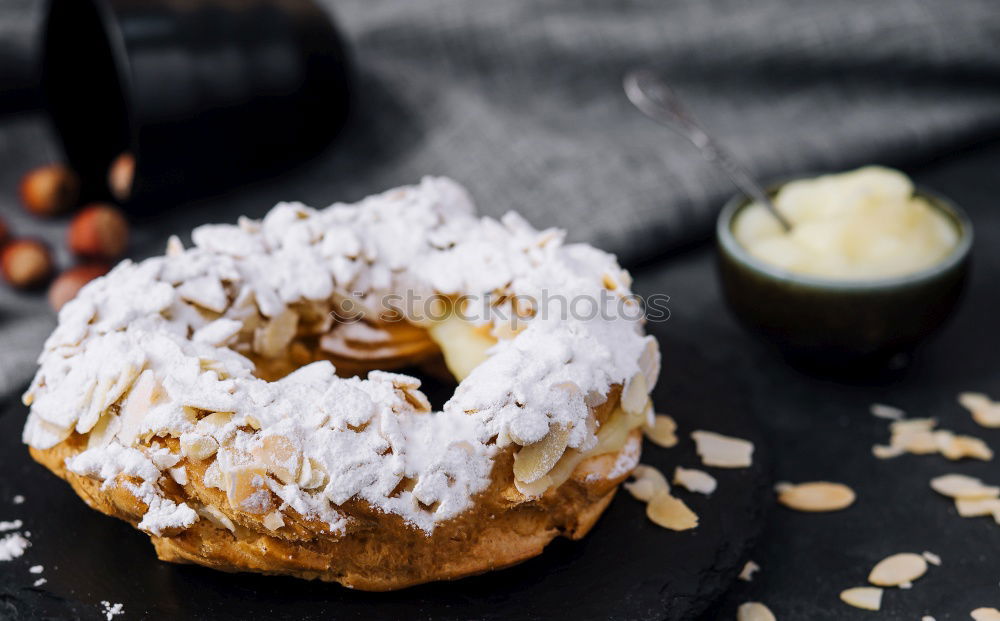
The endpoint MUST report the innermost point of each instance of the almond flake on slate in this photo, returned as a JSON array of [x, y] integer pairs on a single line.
[[898, 570], [663, 431], [817, 496], [695, 480], [746, 574], [887, 452], [918, 436], [931, 558], [957, 447], [985, 614], [888, 412], [984, 410], [273, 520], [723, 451], [754, 611], [671, 513], [978, 507], [912, 425], [648, 482], [962, 486], [921, 442], [866, 598]]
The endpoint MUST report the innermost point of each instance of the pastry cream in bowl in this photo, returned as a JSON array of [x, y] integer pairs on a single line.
[[871, 266], [862, 224]]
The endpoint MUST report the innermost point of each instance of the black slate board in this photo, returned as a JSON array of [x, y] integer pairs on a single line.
[[627, 568]]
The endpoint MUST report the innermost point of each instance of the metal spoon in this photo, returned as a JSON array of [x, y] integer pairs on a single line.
[[657, 101]]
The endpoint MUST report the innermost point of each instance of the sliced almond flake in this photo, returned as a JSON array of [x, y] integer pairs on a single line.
[[635, 395], [921, 442], [273, 520], [535, 460], [984, 410], [898, 569], [217, 332], [985, 614], [313, 475], [959, 447], [104, 431], [108, 391], [695, 480], [663, 432], [754, 611], [648, 482], [212, 424], [722, 451], [882, 451], [271, 341], [866, 598], [417, 399], [216, 517], [976, 508], [671, 513], [145, 393], [888, 412], [931, 558], [199, 447], [205, 291], [280, 456], [179, 474], [174, 246], [817, 496], [649, 362], [912, 425], [213, 476], [746, 574], [246, 489], [962, 486]]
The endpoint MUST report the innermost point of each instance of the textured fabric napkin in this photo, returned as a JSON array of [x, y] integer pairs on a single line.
[[521, 100]]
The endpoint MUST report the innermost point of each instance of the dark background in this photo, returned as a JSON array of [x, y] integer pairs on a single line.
[[816, 428]]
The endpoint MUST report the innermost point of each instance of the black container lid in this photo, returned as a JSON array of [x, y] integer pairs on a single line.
[[204, 94]]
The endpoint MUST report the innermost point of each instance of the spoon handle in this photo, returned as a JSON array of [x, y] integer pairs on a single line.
[[656, 100]]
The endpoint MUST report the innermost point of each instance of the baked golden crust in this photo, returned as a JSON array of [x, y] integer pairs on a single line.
[[379, 551], [196, 395]]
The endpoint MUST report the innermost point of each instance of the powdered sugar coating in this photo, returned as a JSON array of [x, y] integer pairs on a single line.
[[189, 317]]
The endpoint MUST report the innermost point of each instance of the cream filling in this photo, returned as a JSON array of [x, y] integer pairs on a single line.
[[464, 347], [462, 344]]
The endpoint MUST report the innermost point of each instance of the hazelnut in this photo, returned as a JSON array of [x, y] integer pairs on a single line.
[[50, 190], [98, 232], [66, 286], [26, 263], [120, 176]]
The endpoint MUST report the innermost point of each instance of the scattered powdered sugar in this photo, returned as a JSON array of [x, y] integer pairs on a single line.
[[36, 569], [19, 499], [12, 546], [110, 611], [11, 525], [142, 351], [39, 582]]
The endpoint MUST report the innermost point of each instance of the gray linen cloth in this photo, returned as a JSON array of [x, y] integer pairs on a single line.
[[521, 101]]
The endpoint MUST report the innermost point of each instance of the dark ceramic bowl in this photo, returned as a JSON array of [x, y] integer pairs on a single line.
[[838, 323]]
